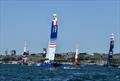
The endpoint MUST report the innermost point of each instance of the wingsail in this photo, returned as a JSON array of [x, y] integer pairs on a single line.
[[53, 38]]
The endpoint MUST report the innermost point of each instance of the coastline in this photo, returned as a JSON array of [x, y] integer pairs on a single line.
[[83, 58]]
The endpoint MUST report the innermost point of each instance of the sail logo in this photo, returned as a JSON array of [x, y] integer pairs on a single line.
[[55, 25]]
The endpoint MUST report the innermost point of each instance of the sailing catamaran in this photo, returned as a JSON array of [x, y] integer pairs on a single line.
[[76, 57], [24, 59], [50, 56], [110, 54]]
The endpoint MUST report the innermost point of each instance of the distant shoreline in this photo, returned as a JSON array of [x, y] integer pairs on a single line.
[[83, 58]]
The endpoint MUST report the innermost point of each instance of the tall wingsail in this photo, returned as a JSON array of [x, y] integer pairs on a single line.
[[25, 46], [76, 57], [53, 37], [110, 55]]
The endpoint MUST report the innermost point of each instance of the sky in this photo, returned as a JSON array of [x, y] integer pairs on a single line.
[[86, 23]]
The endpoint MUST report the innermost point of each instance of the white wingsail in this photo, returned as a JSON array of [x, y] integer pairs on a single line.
[[25, 48], [76, 56]]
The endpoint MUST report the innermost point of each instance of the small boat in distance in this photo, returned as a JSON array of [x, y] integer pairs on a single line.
[[24, 60], [110, 54], [76, 57]]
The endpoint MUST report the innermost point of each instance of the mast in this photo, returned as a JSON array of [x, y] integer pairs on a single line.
[[25, 47], [110, 55], [52, 41]]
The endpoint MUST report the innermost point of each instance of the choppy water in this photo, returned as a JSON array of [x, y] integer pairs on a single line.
[[80, 73]]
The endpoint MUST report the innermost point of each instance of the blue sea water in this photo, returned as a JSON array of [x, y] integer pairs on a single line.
[[9, 72]]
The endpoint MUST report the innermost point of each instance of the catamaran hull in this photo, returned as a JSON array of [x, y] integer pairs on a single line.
[[48, 65]]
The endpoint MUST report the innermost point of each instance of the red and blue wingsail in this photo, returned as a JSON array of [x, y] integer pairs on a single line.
[[53, 37]]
